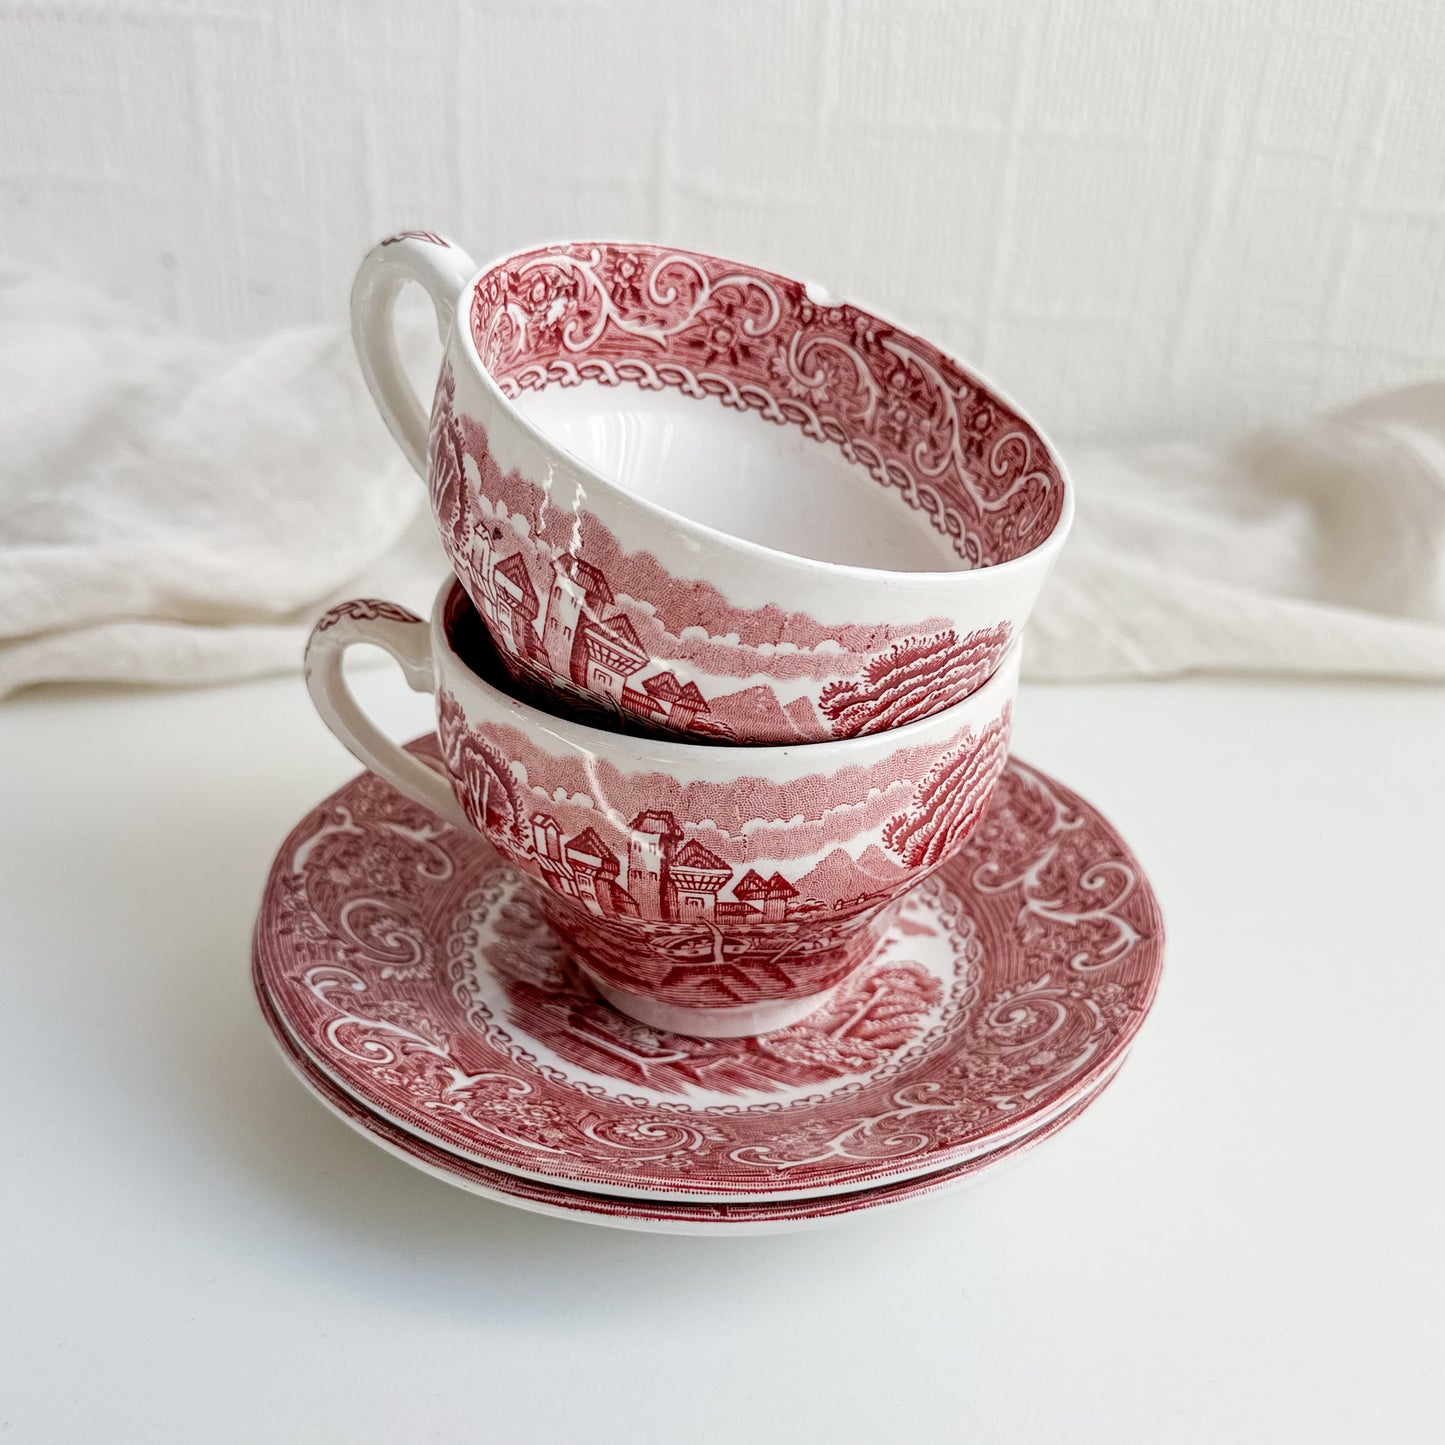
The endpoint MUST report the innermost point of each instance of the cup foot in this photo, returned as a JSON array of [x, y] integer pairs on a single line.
[[710, 1023]]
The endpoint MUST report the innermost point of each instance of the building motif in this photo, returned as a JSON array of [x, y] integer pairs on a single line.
[[650, 870], [652, 838], [663, 876], [515, 606], [771, 895], [578, 639], [696, 877]]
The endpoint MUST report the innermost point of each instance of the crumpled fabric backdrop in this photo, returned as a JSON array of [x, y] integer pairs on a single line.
[[179, 511]]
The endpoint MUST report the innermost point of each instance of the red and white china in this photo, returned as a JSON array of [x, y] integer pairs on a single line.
[[712, 890], [409, 964], [629, 529], [651, 1216]]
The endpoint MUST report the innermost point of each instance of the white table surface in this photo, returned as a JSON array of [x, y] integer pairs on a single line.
[[1244, 1240]]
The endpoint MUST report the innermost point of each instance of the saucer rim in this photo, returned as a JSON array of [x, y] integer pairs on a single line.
[[640, 1214], [712, 1198], [1016, 1128]]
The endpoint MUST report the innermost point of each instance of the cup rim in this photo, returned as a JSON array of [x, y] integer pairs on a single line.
[[760, 551], [988, 699]]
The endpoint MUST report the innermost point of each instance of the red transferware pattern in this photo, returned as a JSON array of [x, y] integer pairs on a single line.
[[596, 628], [655, 1216], [409, 963]]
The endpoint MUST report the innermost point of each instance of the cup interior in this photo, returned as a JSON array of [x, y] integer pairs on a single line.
[[720, 468], [657, 369]]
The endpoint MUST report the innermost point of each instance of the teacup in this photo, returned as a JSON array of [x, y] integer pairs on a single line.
[[631, 529], [704, 889]]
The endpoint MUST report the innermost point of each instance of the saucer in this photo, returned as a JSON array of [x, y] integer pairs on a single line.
[[649, 1216], [407, 962]]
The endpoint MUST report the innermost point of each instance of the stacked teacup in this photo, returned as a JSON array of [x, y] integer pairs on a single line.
[[728, 661]]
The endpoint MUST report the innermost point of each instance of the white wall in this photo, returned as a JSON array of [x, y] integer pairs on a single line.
[[1141, 217]]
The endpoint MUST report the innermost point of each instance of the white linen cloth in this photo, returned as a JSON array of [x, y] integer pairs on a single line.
[[1309, 549], [176, 511]]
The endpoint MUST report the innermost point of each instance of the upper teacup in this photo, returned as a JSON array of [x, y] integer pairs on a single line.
[[632, 532]]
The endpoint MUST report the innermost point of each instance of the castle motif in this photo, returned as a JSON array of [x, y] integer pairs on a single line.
[[663, 876], [578, 638]]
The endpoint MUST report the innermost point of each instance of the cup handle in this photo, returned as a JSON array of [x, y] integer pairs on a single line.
[[408, 639], [442, 270]]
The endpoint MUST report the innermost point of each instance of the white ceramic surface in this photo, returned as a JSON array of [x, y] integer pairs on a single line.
[[187, 1240]]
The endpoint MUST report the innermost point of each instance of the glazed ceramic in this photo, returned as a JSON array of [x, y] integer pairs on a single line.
[[409, 962], [645, 1215], [705, 889], [714, 499]]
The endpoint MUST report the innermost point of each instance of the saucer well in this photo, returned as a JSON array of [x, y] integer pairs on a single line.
[[407, 962], [647, 1215]]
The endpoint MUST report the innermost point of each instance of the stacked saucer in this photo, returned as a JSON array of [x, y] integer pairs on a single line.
[[716, 904]]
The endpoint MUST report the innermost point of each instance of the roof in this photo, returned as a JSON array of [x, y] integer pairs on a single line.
[[587, 845], [615, 632], [641, 704], [691, 697], [514, 570], [623, 902], [741, 912], [653, 821], [622, 629], [593, 583], [663, 685], [751, 885], [693, 855]]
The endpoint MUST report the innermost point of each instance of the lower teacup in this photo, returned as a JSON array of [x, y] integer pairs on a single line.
[[704, 889]]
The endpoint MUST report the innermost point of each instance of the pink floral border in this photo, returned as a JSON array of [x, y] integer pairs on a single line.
[[889, 400]]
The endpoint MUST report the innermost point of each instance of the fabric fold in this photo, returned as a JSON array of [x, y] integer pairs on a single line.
[[176, 511], [1310, 549]]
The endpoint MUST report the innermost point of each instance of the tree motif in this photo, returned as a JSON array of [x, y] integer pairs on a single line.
[[949, 799], [914, 679], [861, 1025], [484, 784]]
